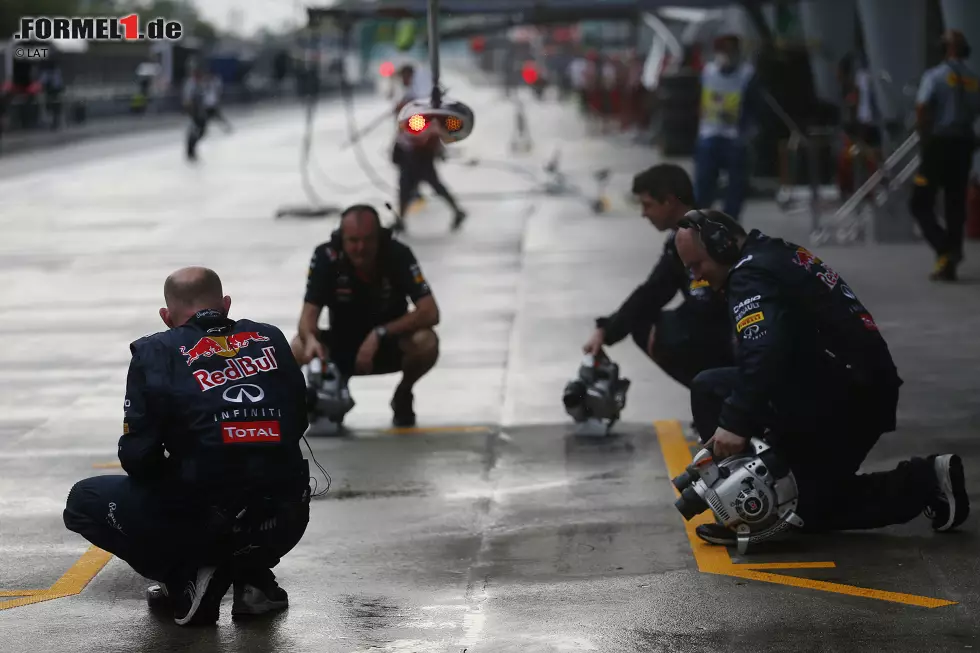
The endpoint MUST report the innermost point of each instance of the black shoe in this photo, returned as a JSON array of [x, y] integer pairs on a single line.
[[200, 600], [258, 593], [951, 506], [401, 406], [458, 219], [716, 534]]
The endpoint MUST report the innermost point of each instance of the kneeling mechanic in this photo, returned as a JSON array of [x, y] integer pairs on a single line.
[[814, 376]]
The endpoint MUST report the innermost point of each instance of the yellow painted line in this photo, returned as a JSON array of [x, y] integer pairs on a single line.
[[84, 570], [115, 465], [438, 429], [713, 559], [18, 593], [71, 582], [787, 565]]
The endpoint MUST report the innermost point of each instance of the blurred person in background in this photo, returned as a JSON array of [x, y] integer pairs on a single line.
[[730, 103], [415, 156], [947, 108], [212, 101], [862, 136], [195, 108]]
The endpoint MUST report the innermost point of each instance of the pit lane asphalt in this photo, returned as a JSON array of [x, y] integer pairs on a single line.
[[490, 528]]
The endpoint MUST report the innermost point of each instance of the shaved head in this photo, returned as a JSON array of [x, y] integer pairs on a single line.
[[194, 286], [189, 290], [360, 228]]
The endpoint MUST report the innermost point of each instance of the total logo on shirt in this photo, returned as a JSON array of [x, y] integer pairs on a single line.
[[237, 432]]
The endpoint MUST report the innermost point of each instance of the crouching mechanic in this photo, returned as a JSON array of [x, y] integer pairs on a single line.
[[696, 335], [217, 489], [365, 277], [814, 374]]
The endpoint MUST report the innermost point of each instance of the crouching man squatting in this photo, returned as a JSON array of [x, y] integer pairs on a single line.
[[813, 373], [366, 277], [217, 490]]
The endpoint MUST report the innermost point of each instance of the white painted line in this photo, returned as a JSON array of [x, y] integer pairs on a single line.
[[520, 489]]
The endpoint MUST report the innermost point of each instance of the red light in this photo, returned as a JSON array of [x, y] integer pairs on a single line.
[[387, 69], [416, 123], [478, 44], [530, 74]]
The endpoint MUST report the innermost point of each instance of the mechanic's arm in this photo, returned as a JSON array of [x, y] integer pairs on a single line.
[[644, 302], [309, 318], [319, 293], [141, 447], [412, 282], [764, 338]]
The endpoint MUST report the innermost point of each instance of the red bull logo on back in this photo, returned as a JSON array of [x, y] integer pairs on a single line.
[[805, 259], [204, 347], [225, 346], [238, 340]]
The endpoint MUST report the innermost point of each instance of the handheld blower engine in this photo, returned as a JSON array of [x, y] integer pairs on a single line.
[[753, 494], [328, 392], [596, 398]]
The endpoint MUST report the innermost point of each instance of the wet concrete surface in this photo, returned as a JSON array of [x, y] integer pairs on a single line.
[[489, 528]]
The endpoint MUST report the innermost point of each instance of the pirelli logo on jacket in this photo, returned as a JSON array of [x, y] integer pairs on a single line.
[[749, 320]]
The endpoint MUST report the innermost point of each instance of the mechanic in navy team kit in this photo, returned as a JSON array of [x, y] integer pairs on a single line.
[[812, 368], [365, 277], [694, 336], [217, 489]]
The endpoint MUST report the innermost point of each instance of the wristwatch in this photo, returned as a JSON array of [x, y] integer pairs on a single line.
[[381, 332]]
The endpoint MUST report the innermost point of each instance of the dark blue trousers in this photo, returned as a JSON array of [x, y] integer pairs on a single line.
[[159, 536], [711, 156], [825, 453]]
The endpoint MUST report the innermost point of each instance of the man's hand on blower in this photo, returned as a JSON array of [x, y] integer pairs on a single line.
[[594, 344], [313, 348], [724, 444]]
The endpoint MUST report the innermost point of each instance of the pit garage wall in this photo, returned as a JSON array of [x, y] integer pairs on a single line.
[[896, 45], [894, 38], [829, 27]]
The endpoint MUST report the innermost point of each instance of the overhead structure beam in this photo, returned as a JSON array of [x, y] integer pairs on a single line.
[[527, 11]]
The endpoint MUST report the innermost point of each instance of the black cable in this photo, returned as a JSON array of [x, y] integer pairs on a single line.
[[326, 475], [355, 138], [318, 208], [352, 129]]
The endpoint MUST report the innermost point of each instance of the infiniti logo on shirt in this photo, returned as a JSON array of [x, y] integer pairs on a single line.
[[237, 394]]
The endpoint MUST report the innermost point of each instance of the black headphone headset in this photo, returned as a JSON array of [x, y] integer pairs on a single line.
[[718, 239], [361, 208], [384, 233]]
